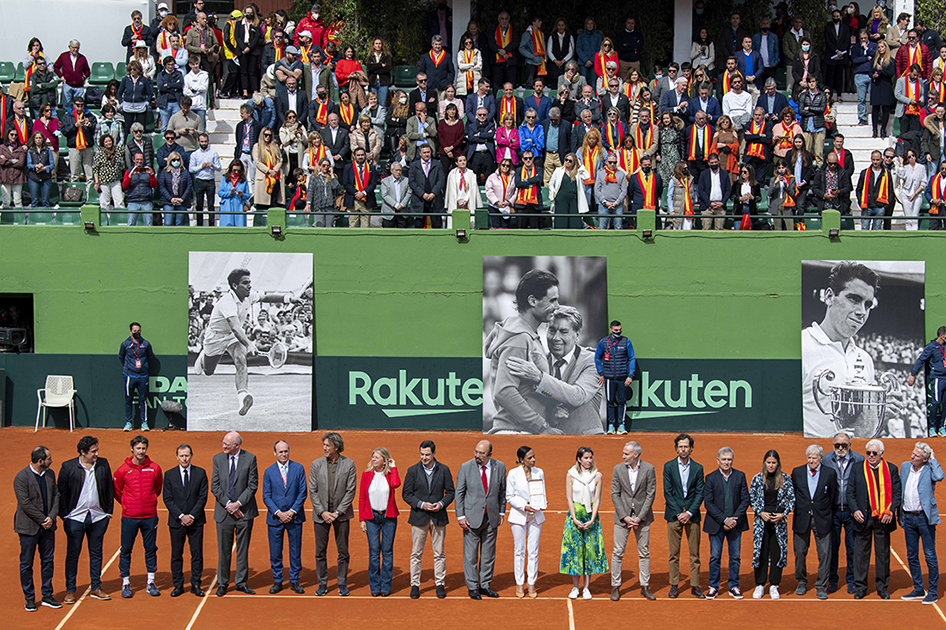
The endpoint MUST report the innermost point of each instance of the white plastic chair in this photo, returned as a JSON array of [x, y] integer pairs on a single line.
[[58, 393]]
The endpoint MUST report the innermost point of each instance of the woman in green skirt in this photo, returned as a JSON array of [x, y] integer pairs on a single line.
[[583, 543]]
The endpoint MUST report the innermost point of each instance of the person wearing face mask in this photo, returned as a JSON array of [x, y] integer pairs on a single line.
[[134, 355], [176, 186], [247, 33], [615, 362], [791, 48]]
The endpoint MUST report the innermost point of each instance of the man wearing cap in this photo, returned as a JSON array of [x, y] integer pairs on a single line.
[[313, 24], [288, 66]]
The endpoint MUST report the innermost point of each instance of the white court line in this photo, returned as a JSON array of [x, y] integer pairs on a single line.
[[88, 590], [907, 569], [571, 615], [207, 595]]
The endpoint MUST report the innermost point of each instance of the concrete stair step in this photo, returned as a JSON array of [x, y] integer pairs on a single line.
[[853, 142]]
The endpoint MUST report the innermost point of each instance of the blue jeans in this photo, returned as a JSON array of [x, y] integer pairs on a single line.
[[617, 402], [380, 532], [45, 540], [133, 384], [175, 215], [149, 531], [75, 532], [862, 83], [872, 224], [716, 553], [39, 191], [617, 221], [846, 520], [916, 527], [166, 114], [203, 115], [68, 96], [294, 532], [381, 91], [144, 208]]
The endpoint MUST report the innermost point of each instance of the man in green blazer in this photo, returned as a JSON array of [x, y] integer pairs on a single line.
[[683, 494]]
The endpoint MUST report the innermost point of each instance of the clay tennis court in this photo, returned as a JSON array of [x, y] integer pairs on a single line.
[[552, 610]]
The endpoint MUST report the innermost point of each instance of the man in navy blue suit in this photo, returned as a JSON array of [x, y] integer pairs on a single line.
[[842, 460], [726, 498], [919, 517], [185, 496], [816, 494], [284, 493]]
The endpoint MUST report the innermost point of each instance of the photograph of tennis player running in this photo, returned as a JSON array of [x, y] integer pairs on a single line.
[[250, 342]]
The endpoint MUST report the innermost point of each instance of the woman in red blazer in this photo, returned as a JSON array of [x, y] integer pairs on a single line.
[[378, 512]]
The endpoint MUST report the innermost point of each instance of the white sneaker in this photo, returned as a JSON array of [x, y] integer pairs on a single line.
[[586, 594], [758, 592], [773, 592], [573, 594]]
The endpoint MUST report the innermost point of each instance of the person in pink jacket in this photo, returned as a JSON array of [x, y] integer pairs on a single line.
[[377, 511]]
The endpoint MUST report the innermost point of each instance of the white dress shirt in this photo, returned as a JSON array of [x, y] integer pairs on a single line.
[[911, 491], [88, 499]]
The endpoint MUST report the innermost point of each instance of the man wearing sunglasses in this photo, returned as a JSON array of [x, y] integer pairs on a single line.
[[842, 460], [874, 494]]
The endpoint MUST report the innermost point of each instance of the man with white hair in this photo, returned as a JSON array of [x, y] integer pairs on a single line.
[[843, 461], [816, 494], [73, 68], [919, 517], [233, 484], [726, 497], [633, 488], [874, 494], [676, 101]]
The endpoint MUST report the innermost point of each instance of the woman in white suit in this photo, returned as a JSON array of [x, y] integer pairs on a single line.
[[525, 492]]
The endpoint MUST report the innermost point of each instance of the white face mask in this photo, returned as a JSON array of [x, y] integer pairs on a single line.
[[402, 100], [315, 16]]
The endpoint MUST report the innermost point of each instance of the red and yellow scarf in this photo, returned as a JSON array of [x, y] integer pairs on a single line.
[[883, 187], [687, 198], [936, 192], [528, 195], [538, 46], [437, 59], [23, 133], [271, 180], [785, 141], [644, 142], [601, 62], [727, 78], [590, 162], [321, 112], [629, 160], [31, 70], [756, 149], [881, 499], [347, 113], [614, 134], [468, 58], [361, 177], [611, 175], [914, 92], [508, 106], [915, 57], [648, 185], [304, 52], [502, 41], [694, 144], [315, 156], [939, 89]]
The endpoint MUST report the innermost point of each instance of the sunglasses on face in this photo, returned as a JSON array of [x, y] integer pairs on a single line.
[[873, 452], [267, 135], [841, 445]]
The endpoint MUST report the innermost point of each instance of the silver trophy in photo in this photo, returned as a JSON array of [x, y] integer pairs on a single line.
[[857, 406]]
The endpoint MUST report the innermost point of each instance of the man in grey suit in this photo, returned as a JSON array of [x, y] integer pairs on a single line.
[[480, 507], [633, 488], [843, 461], [37, 504], [234, 483], [332, 490], [395, 198], [575, 397]]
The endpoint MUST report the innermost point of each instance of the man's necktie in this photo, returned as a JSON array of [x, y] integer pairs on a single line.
[[282, 471], [485, 488], [558, 368], [232, 476], [187, 478]]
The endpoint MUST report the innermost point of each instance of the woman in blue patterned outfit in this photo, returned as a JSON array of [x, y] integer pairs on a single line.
[[583, 542], [772, 497]]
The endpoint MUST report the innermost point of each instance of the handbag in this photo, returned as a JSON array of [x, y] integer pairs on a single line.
[[72, 194]]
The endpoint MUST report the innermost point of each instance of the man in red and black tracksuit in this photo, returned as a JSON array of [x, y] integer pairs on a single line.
[[138, 484]]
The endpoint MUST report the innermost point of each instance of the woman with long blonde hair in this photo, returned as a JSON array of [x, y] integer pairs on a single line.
[[377, 512], [267, 183]]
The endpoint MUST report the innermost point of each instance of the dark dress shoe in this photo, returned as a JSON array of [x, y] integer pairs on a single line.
[[615, 593], [275, 588], [441, 592], [489, 592], [415, 592], [243, 588], [196, 590], [385, 594], [221, 590], [295, 587], [674, 591], [475, 594], [376, 594], [860, 595], [321, 591], [883, 594], [697, 592], [343, 590], [646, 592], [178, 591], [832, 588]]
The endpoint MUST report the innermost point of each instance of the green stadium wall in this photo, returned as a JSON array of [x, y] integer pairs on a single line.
[[723, 306]]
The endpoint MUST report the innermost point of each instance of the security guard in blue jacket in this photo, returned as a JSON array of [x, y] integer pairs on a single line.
[[134, 354], [933, 358], [614, 360]]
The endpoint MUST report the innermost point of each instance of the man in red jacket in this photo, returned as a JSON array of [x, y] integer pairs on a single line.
[[915, 52], [138, 484], [73, 68], [313, 23]]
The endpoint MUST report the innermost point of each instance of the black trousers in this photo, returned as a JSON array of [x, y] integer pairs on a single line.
[[503, 73], [249, 73], [194, 535], [769, 555], [231, 86], [321, 548], [834, 78], [875, 533], [482, 163], [436, 220], [204, 189], [45, 541]]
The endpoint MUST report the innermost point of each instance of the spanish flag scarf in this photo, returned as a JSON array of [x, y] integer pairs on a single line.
[[610, 175], [528, 195], [437, 59], [915, 57], [601, 62], [936, 192], [756, 149], [502, 41], [271, 180], [81, 141], [22, 132], [280, 51], [883, 187], [590, 161], [727, 79], [538, 46], [347, 112], [914, 92], [939, 89], [648, 185], [468, 58], [787, 138], [694, 142], [304, 52], [508, 106], [687, 198], [629, 160], [614, 134], [30, 71], [362, 176], [316, 155], [644, 141], [880, 494], [321, 112]]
